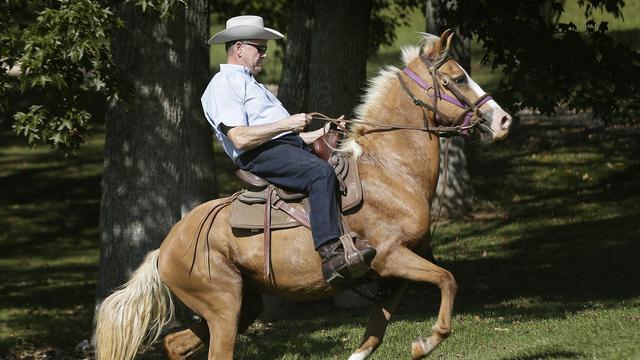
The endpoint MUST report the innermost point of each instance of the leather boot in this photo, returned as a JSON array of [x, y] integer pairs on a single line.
[[334, 263]]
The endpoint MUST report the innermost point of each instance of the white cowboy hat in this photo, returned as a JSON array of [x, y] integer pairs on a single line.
[[245, 27]]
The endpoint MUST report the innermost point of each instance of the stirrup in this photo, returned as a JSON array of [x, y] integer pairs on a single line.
[[356, 264], [343, 262]]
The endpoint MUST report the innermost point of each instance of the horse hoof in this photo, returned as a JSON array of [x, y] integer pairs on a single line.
[[421, 347], [361, 355]]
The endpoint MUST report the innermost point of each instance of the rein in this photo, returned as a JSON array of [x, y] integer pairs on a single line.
[[469, 119], [382, 126]]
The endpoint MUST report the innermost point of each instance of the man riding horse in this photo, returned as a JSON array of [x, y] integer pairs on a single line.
[[260, 136], [218, 272]]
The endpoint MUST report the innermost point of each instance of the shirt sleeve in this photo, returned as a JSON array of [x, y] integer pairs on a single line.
[[227, 103]]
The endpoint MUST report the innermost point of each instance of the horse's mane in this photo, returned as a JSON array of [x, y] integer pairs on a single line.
[[377, 89]]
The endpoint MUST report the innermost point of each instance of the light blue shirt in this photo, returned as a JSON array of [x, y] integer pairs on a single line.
[[234, 98]]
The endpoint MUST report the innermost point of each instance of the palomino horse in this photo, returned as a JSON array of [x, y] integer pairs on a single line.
[[221, 276]]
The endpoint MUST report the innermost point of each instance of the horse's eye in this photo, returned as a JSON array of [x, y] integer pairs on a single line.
[[460, 80]]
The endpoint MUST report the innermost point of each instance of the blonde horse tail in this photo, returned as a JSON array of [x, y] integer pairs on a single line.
[[134, 315]]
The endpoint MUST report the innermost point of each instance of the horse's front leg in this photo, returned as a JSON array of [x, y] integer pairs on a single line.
[[379, 319], [405, 264]]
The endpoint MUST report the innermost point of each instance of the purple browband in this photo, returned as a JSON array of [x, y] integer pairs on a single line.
[[426, 86]]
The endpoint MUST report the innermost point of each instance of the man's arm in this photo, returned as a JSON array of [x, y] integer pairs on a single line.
[[248, 137]]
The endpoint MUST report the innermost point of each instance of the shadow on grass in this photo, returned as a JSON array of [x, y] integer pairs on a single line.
[[544, 269], [48, 244], [566, 245], [628, 37], [551, 354], [564, 268], [294, 338]]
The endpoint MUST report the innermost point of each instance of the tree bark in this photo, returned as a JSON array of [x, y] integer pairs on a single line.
[[294, 80], [337, 71], [326, 55], [324, 71], [455, 197], [158, 154], [461, 47], [337, 66]]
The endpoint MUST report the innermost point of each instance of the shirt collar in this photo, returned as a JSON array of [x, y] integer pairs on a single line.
[[234, 67]]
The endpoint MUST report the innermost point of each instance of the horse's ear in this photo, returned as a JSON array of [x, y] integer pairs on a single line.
[[445, 40], [442, 46]]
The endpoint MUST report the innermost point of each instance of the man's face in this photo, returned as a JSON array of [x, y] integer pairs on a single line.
[[252, 54]]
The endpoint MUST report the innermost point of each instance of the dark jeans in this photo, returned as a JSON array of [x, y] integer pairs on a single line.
[[289, 163]]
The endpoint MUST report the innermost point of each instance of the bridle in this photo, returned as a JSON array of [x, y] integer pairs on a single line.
[[468, 119], [471, 115]]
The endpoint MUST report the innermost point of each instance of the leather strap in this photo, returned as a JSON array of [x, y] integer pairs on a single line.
[[210, 215], [267, 234], [300, 216], [353, 257], [276, 202]]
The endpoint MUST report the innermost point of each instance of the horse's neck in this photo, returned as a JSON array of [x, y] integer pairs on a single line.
[[406, 157]]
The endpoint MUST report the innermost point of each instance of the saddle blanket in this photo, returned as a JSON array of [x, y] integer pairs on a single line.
[[250, 214]]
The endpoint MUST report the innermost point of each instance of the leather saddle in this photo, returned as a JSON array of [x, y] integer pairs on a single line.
[[265, 206], [288, 209]]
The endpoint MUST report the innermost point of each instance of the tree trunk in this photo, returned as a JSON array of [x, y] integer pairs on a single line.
[[337, 71], [324, 71], [337, 67], [326, 55], [455, 198], [461, 47], [294, 80], [158, 154]]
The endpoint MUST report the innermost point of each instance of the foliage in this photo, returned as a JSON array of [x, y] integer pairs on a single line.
[[162, 7], [540, 273], [546, 62], [62, 51], [57, 72], [60, 56], [62, 72], [386, 16]]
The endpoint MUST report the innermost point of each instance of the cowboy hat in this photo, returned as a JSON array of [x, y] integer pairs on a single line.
[[245, 27]]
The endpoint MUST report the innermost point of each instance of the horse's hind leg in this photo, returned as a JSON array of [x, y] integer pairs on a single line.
[[379, 319], [182, 344], [403, 263], [252, 307]]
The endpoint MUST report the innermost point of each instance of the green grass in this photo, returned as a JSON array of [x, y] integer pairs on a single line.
[[547, 271], [48, 245], [629, 21]]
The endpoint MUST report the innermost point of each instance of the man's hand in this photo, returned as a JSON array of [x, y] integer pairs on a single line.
[[327, 126], [310, 137], [298, 122]]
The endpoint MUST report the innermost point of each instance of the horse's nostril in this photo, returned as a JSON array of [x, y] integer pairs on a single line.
[[505, 122]]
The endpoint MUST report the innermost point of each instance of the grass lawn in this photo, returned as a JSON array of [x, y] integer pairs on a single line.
[[48, 245], [547, 267]]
